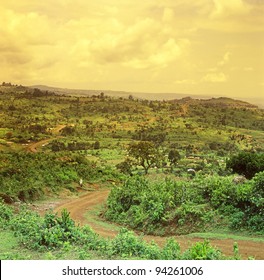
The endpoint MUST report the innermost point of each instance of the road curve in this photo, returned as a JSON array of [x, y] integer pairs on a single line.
[[78, 207], [33, 147]]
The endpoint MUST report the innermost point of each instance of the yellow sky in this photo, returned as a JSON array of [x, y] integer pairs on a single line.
[[213, 47]]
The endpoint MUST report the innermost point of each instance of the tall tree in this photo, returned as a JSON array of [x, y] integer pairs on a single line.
[[145, 154]]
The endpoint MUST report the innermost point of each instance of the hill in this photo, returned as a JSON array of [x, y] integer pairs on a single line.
[[223, 102], [145, 95], [30, 114]]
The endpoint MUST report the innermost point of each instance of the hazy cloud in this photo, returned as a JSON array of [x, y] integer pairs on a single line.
[[215, 78], [185, 81], [225, 59], [224, 8]]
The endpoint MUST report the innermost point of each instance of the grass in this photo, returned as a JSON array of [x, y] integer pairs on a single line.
[[10, 248], [226, 235], [92, 216]]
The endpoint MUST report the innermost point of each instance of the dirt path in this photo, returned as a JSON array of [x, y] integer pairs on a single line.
[[33, 147], [78, 207]]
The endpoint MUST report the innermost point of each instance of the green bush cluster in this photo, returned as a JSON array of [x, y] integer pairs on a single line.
[[51, 231], [24, 176], [190, 205]]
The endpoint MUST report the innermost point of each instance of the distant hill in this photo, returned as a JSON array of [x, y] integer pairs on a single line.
[[215, 102], [173, 97]]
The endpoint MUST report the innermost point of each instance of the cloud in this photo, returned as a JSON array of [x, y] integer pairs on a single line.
[[225, 8], [141, 45], [215, 78], [225, 59], [248, 69], [161, 56], [168, 15], [185, 82]]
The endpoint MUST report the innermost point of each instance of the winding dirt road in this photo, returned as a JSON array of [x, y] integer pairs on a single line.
[[88, 202], [33, 147]]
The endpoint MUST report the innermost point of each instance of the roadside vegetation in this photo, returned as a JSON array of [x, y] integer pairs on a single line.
[[58, 237], [183, 206]]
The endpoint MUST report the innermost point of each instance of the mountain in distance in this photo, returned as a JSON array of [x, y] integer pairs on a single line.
[[173, 97]]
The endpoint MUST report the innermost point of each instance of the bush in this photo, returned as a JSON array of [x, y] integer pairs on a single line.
[[126, 244], [52, 231], [6, 214], [258, 186], [28, 226], [186, 206], [202, 251], [246, 163], [171, 250]]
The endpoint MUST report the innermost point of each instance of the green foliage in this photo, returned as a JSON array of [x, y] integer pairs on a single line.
[[173, 157], [236, 251], [187, 206], [125, 166], [246, 163], [145, 154], [6, 214], [27, 225], [258, 187], [55, 233], [26, 175], [171, 250], [126, 244], [51, 231], [202, 251]]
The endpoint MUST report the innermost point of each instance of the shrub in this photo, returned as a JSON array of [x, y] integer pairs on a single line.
[[171, 250], [202, 251], [6, 214], [258, 186], [246, 163], [126, 244], [27, 225]]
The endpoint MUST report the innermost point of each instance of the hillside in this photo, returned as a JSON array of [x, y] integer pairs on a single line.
[[29, 114], [167, 164], [221, 102]]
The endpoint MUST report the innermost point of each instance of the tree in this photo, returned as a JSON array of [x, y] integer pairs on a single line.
[[145, 154], [125, 166], [96, 145], [246, 163], [173, 157]]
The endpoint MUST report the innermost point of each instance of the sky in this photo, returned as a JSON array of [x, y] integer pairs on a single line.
[[210, 47]]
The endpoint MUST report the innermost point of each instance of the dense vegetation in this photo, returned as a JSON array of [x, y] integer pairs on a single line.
[[185, 206], [56, 235], [27, 176], [174, 164]]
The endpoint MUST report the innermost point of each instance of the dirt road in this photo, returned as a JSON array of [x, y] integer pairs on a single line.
[[78, 207], [33, 147]]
